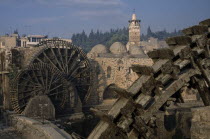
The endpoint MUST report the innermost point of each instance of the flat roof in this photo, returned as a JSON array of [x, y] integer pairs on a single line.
[[37, 36]]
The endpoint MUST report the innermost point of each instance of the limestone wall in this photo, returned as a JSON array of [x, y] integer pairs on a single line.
[[200, 128], [118, 71], [8, 41]]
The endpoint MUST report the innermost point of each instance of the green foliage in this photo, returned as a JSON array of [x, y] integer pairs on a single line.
[[108, 38], [160, 35]]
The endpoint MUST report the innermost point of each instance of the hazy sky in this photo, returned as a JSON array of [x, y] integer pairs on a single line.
[[62, 18]]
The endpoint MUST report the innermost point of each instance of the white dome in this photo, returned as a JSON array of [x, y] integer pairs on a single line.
[[136, 50], [99, 49], [118, 48]]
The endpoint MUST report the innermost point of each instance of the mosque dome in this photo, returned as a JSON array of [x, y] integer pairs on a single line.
[[136, 50], [118, 48], [99, 49]]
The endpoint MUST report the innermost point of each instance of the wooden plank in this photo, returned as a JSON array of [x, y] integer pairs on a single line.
[[181, 63], [178, 49], [120, 91], [197, 51], [169, 91], [99, 130], [158, 64], [148, 86], [143, 100], [142, 70], [205, 23], [179, 40], [136, 86], [195, 30], [163, 53], [124, 123], [4, 72], [120, 103]]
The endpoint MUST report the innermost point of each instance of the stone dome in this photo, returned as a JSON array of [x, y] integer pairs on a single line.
[[136, 50], [99, 49], [118, 48]]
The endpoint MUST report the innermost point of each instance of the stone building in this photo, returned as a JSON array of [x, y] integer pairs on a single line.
[[9, 41], [113, 65], [31, 40], [134, 44], [14, 40]]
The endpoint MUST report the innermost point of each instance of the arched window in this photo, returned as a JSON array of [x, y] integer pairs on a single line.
[[109, 71]]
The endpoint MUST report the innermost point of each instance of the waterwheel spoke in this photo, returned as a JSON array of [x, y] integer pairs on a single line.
[[46, 78], [41, 78], [55, 88], [35, 77], [61, 58], [31, 78], [40, 60], [49, 59], [51, 79], [56, 58], [58, 92], [80, 72], [70, 58], [66, 57], [29, 81], [75, 63]]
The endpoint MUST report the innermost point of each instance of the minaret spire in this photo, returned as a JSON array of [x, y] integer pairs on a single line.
[[134, 32]]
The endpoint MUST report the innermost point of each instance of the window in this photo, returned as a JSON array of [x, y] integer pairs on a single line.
[[109, 71], [3, 43], [130, 70], [33, 39]]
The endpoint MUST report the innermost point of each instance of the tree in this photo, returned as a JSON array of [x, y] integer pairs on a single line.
[[149, 31]]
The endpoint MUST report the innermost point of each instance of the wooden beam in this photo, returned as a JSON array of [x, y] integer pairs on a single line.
[[4, 72]]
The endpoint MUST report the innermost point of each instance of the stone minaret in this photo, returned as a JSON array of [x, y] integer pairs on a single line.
[[134, 32]]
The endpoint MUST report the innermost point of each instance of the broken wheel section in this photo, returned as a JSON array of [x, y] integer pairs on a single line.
[[183, 64]]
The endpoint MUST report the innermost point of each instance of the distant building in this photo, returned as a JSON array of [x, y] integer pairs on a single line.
[[7, 41], [14, 40], [113, 64], [35, 39]]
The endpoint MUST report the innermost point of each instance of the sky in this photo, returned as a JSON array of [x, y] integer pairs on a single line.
[[62, 18]]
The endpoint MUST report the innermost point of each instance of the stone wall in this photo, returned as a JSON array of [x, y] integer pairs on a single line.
[[5, 60], [34, 129], [116, 70], [200, 128], [8, 41]]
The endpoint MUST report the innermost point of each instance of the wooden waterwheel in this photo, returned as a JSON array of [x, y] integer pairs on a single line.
[[36, 80], [68, 59]]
